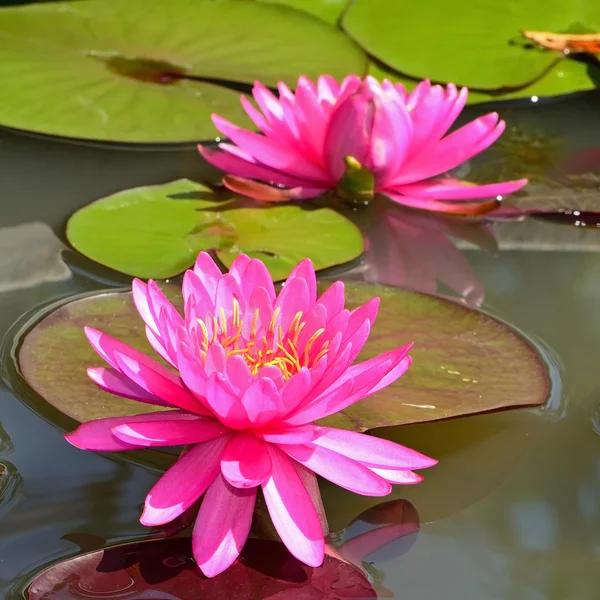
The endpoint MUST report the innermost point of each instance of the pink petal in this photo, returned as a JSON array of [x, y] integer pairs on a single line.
[[190, 369], [258, 313], [246, 461], [238, 374], [442, 189], [98, 436], [187, 429], [333, 299], [225, 404], [140, 299], [262, 400], [339, 469], [257, 275], [311, 485], [295, 389], [349, 132], [356, 383], [228, 290], [456, 104], [215, 359], [466, 209], [327, 88], [155, 383], [114, 382], [257, 117], [235, 165], [208, 272], [451, 151], [290, 435], [402, 476], [292, 299], [106, 346], [184, 482], [304, 270], [391, 137], [292, 511], [204, 300], [222, 526], [267, 193], [372, 451], [276, 155], [158, 347]]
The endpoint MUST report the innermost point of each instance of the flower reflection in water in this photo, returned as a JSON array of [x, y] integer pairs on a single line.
[[414, 250]]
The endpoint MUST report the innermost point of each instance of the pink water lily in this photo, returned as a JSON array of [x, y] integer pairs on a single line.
[[251, 372], [359, 138]]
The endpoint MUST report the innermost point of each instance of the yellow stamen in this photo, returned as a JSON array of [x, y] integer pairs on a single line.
[[275, 347]]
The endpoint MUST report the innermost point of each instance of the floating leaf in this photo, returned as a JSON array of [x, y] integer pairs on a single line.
[[149, 71], [157, 231], [166, 569], [472, 42], [565, 77], [326, 10], [464, 361]]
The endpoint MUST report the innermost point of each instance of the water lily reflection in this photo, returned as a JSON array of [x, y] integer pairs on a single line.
[[389, 526], [415, 250]]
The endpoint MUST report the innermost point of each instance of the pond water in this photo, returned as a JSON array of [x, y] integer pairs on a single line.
[[514, 514]]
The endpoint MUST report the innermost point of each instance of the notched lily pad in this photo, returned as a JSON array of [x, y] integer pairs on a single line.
[[157, 231], [465, 362], [148, 71], [166, 569]]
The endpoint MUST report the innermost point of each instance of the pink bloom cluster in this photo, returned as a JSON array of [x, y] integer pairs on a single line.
[[251, 371], [358, 138]]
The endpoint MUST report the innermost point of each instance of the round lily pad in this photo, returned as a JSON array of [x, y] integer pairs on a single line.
[[166, 569], [469, 42], [326, 10], [148, 71], [157, 231], [564, 77], [464, 362]]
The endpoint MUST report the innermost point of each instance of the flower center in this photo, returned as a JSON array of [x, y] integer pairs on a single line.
[[357, 183], [274, 348]]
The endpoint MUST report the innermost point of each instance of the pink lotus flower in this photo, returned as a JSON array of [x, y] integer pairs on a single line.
[[255, 371], [358, 138]]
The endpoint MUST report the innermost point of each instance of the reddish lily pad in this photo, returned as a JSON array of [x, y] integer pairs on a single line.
[[157, 231], [465, 362], [165, 570]]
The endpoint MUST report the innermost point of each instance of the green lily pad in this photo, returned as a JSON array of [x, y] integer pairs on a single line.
[[326, 10], [565, 77], [465, 362], [157, 231], [148, 71], [469, 42]]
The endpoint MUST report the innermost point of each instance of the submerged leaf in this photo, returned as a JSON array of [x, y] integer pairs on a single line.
[[148, 71], [164, 569], [157, 231], [464, 361]]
